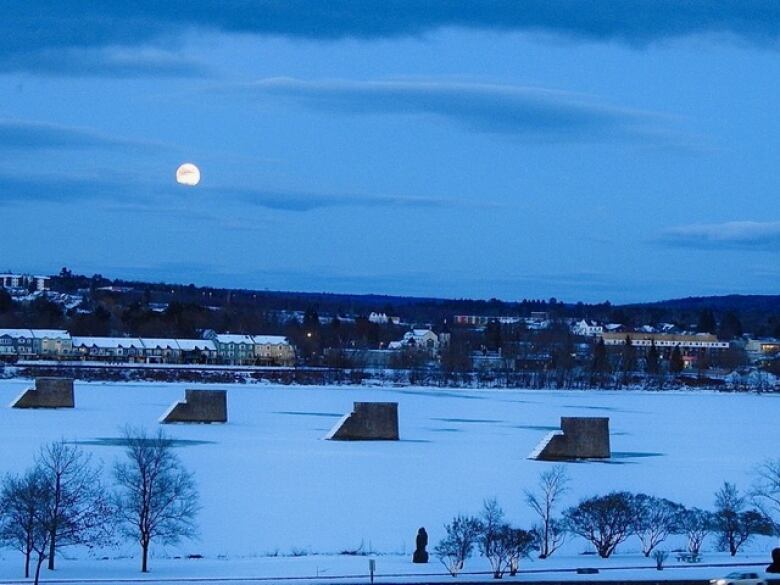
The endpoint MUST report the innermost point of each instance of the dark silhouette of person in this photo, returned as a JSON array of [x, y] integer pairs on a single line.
[[420, 554], [775, 566]]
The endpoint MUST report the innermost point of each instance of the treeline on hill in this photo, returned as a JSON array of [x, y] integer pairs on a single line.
[[119, 307]]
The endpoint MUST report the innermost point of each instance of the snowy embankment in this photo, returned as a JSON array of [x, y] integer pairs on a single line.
[[271, 487]]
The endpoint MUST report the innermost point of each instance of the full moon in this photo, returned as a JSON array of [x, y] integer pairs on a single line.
[[188, 174]]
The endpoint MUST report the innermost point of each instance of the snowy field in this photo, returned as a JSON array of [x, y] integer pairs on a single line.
[[271, 487]]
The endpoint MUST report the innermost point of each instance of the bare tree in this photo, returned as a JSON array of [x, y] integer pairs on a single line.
[[77, 510], [518, 543], [550, 532], [605, 521], [733, 523], [508, 546], [458, 545], [654, 520], [491, 518], [41, 538], [157, 499], [492, 523], [23, 499], [696, 525], [766, 490]]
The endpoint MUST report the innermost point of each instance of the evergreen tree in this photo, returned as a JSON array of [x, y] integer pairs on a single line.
[[676, 363], [6, 302], [311, 321], [652, 359], [730, 326], [600, 367], [334, 335], [706, 322], [564, 355], [702, 362], [493, 339], [629, 355], [600, 362]]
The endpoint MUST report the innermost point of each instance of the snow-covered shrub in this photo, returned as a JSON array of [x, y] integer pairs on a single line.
[[604, 521], [458, 545]]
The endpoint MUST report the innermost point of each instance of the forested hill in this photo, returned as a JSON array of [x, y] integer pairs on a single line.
[[96, 305], [737, 303]]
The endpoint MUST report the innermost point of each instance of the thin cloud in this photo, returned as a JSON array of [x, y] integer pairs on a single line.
[[518, 111], [28, 135], [112, 61], [161, 200], [56, 23], [67, 38], [57, 189], [738, 235], [302, 201]]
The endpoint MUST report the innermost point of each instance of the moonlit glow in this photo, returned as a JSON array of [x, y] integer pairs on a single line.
[[188, 174]]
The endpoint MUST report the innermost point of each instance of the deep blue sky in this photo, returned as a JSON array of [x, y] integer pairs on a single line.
[[584, 150]]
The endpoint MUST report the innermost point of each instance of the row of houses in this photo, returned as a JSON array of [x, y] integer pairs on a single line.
[[536, 321], [214, 348], [666, 340], [590, 328]]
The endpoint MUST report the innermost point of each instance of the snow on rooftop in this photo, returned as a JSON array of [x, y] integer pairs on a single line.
[[36, 333], [51, 333], [108, 342], [20, 275], [231, 338], [196, 344], [162, 343], [16, 333], [270, 340]]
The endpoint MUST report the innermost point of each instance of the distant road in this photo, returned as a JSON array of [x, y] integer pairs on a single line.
[[442, 580], [144, 366], [525, 577]]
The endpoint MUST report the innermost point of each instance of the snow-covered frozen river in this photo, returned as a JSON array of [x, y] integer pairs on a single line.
[[268, 482]]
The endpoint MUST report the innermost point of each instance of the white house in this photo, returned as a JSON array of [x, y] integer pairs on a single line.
[[422, 339], [587, 328], [382, 318], [273, 350]]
